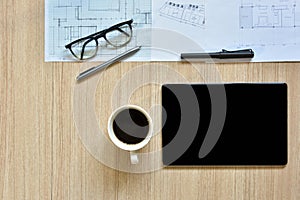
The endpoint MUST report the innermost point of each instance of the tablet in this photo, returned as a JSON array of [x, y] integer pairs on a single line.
[[224, 124]]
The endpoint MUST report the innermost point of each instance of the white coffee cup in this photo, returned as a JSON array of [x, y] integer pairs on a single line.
[[130, 128]]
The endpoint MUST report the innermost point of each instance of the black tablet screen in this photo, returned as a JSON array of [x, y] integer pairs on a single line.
[[224, 124]]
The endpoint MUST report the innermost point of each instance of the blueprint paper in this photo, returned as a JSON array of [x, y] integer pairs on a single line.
[[68, 20], [270, 27]]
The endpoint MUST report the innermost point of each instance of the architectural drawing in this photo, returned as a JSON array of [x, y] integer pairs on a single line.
[[270, 27], [269, 14], [184, 13], [68, 20]]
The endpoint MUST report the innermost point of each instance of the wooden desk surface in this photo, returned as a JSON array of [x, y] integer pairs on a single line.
[[42, 156]]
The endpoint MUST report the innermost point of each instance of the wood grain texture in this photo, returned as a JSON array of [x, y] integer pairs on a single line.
[[42, 157]]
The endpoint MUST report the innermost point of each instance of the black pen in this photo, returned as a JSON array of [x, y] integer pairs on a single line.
[[224, 54]]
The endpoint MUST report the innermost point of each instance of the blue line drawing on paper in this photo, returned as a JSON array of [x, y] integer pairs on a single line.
[[184, 13], [269, 14], [268, 23], [67, 20]]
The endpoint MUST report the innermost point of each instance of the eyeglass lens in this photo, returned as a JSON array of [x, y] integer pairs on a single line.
[[88, 47], [120, 36]]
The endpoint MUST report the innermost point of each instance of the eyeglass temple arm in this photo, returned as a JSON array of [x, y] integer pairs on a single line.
[[123, 32], [101, 32], [83, 47], [97, 35]]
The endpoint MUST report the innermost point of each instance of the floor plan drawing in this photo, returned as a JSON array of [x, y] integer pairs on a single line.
[[269, 14], [68, 20], [266, 23], [270, 27], [184, 13]]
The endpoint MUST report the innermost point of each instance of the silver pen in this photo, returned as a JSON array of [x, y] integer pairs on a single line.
[[95, 69]]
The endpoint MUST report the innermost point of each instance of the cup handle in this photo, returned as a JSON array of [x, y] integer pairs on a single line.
[[134, 158]]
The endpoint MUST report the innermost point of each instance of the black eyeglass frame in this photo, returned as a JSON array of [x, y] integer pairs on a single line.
[[96, 36]]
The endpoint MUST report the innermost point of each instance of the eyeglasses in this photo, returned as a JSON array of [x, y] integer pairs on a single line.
[[117, 35]]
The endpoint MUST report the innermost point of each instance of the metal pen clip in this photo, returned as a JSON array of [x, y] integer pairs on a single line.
[[238, 51]]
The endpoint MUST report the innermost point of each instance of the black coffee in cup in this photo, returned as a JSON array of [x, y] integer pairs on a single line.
[[131, 126]]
